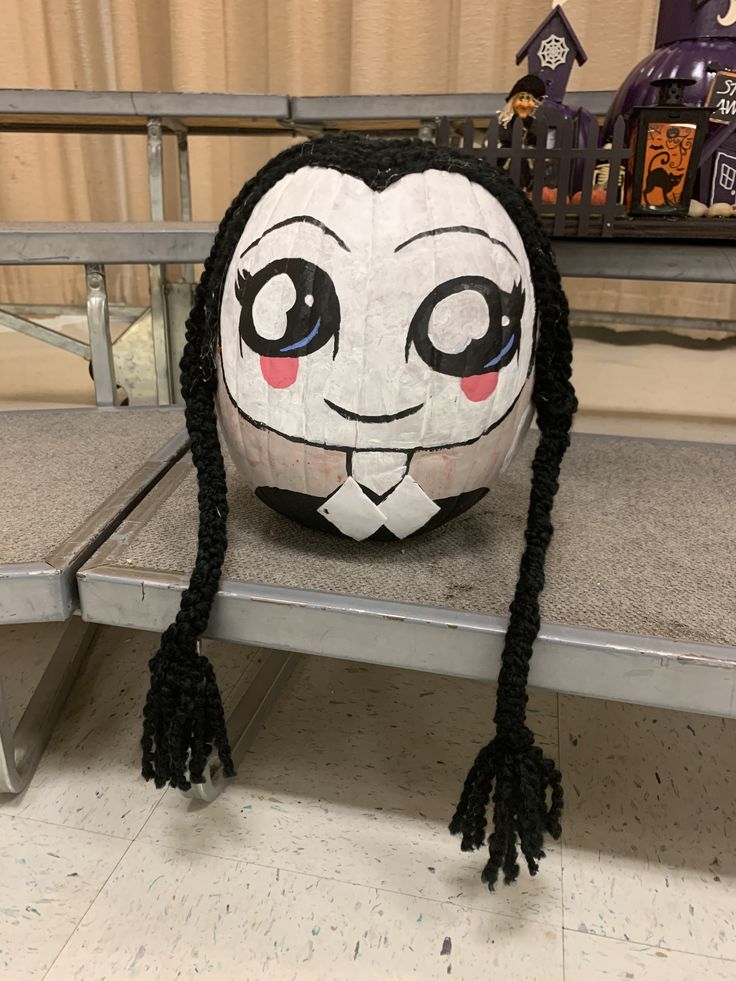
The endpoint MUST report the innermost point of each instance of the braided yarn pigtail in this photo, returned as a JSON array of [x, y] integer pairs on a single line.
[[183, 718], [526, 786]]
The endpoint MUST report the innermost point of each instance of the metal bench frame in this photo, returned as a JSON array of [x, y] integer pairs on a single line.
[[695, 677], [47, 591]]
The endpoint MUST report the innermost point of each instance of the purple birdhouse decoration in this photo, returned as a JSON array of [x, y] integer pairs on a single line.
[[552, 50]]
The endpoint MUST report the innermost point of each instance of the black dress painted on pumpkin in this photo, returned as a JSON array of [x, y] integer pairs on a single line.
[[304, 509]]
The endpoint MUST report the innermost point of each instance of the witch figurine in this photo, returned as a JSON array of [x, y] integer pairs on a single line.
[[523, 101]]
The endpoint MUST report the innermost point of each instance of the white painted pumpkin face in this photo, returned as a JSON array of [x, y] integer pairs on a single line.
[[374, 327]]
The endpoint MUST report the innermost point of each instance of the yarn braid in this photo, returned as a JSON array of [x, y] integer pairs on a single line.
[[520, 771], [183, 718]]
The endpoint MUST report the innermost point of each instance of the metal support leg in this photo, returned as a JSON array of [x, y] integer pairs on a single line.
[[159, 318], [179, 304], [156, 168], [185, 193], [246, 709], [20, 751], [160, 331], [100, 339]]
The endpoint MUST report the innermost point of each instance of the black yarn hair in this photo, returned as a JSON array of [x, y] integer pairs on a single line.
[[183, 717]]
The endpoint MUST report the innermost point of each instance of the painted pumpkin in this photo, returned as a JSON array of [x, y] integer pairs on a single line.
[[385, 314], [376, 348]]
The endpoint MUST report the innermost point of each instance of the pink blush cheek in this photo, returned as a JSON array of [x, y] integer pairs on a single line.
[[279, 372], [477, 388]]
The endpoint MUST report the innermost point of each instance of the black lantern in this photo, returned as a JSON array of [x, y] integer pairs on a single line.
[[666, 141]]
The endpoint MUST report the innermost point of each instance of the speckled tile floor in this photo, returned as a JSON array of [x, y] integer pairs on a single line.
[[328, 858]]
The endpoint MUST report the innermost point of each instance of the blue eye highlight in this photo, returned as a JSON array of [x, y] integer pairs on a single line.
[[304, 341], [502, 355]]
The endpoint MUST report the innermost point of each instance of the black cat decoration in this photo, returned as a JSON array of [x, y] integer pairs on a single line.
[[666, 141], [663, 175]]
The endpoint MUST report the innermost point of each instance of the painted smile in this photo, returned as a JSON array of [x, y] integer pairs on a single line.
[[391, 417]]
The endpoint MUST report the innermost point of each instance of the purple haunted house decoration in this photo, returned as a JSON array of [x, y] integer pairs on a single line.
[[695, 39], [552, 51]]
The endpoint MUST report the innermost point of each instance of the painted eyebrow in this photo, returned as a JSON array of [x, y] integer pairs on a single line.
[[307, 219], [457, 228]]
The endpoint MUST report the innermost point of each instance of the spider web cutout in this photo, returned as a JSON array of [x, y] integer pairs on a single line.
[[553, 52]]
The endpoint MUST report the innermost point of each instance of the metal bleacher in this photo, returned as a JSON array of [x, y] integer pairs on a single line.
[[642, 581], [94, 245]]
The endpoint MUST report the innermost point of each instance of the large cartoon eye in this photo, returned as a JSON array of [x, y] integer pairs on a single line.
[[289, 309], [467, 326]]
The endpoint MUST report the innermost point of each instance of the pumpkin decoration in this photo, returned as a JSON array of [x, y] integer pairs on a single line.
[[598, 196], [374, 326], [375, 350]]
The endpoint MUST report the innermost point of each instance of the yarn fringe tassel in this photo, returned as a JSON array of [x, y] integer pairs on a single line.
[[183, 719], [519, 776]]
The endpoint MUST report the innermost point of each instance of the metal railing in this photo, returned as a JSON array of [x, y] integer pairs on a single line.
[[468, 119]]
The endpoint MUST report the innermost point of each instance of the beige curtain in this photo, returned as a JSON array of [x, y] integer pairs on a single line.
[[308, 47]]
